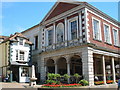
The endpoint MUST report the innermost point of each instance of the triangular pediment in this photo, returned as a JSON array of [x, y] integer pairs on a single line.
[[59, 8]]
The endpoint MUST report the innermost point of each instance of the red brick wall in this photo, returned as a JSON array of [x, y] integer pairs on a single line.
[[98, 43]]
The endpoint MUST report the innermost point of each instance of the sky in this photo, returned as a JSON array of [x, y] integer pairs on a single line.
[[19, 16]]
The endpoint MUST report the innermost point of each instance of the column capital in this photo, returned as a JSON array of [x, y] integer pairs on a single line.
[[55, 62]]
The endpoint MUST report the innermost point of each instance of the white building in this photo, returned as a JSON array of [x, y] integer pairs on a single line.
[[15, 58], [75, 37]]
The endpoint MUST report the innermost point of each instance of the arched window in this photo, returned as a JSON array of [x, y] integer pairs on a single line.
[[60, 32]]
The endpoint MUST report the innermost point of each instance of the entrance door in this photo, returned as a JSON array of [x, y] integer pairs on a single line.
[[15, 72]]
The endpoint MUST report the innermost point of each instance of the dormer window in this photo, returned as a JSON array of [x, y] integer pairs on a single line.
[[21, 41]]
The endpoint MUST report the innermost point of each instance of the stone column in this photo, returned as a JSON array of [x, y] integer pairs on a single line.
[[42, 70], [80, 27], [66, 35], [68, 67], [113, 69], [104, 73], [54, 36], [87, 65], [45, 68], [56, 67]]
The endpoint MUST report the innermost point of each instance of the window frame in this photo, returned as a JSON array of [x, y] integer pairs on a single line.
[[109, 29], [24, 73], [23, 55], [69, 27], [35, 42], [22, 41], [19, 55], [99, 29], [63, 32], [48, 29], [113, 28]]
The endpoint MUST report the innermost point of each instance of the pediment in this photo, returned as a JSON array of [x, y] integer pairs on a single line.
[[59, 8]]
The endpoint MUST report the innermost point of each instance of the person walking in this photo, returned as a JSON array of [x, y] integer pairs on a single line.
[[119, 84]]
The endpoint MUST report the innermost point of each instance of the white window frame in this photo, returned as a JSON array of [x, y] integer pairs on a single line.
[[63, 32], [23, 55], [113, 28], [47, 29], [109, 32], [69, 27], [19, 55], [100, 35]]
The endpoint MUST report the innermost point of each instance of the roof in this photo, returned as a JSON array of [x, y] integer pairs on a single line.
[[3, 37], [13, 38], [77, 3], [30, 28], [72, 4], [58, 8]]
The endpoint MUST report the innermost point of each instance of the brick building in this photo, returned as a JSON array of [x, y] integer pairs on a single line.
[[75, 37]]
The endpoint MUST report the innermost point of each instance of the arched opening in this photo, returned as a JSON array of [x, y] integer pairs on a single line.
[[62, 66], [50, 66], [60, 32], [76, 65]]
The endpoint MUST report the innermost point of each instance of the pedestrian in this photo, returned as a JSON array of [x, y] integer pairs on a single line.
[[119, 84]]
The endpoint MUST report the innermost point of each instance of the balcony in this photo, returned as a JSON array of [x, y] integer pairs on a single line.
[[70, 43]]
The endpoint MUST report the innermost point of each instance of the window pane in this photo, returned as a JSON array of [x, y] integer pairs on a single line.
[[96, 29], [50, 37], [73, 30], [25, 72], [107, 34], [115, 36], [21, 55], [36, 42], [60, 30], [21, 41]]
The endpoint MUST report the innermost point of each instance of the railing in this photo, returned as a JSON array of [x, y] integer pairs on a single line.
[[70, 43], [74, 42], [60, 45]]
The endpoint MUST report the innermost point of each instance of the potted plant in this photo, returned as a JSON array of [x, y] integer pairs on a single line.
[[76, 75], [66, 76]]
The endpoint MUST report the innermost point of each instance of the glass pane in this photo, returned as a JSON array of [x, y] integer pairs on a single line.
[[96, 29], [50, 37], [73, 30]]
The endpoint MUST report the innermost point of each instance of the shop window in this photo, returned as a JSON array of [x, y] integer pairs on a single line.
[[25, 72]]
